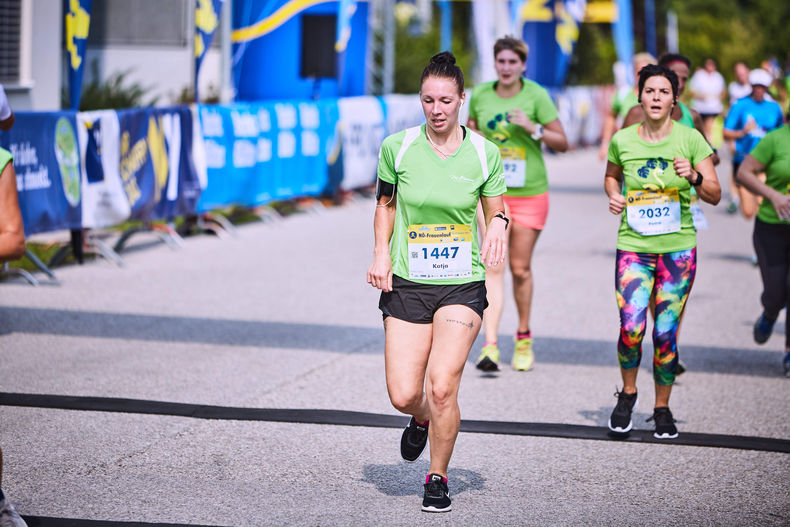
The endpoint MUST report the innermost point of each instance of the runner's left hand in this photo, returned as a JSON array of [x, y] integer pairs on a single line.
[[518, 117], [494, 244], [684, 169]]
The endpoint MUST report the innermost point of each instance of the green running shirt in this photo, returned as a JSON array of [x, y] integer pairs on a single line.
[[5, 157], [490, 111], [657, 217], [685, 117], [773, 151], [434, 239]]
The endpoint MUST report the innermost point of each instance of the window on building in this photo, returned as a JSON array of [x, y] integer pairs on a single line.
[[10, 40], [140, 23]]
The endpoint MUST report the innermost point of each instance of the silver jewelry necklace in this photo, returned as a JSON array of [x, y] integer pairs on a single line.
[[445, 154]]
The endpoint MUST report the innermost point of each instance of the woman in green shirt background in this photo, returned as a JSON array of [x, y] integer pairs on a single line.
[[517, 115], [771, 229]]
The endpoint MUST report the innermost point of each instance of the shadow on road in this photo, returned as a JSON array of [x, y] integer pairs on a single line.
[[344, 339], [405, 479]]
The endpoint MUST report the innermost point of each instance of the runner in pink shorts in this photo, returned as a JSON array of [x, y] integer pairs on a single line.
[[518, 115]]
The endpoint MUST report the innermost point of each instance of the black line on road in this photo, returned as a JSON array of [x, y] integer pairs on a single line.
[[349, 418], [44, 521]]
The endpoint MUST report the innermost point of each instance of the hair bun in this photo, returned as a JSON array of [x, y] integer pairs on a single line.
[[445, 57]]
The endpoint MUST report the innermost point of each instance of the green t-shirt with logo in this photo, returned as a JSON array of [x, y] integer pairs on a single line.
[[525, 171], [434, 239], [5, 157], [773, 151], [657, 217]]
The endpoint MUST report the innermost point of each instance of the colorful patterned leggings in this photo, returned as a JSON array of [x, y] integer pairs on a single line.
[[638, 277]]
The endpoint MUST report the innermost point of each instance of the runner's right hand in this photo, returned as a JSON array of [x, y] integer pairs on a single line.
[[380, 272]]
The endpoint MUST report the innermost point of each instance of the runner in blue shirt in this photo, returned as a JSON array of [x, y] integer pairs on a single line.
[[747, 122]]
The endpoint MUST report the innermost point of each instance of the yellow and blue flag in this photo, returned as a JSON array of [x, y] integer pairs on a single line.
[[77, 22], [207, 13]]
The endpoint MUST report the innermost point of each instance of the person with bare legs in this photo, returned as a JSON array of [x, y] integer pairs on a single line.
[[430, 265]]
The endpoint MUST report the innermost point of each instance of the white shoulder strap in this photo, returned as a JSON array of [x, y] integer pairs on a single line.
[[480, 147], [411, 134]]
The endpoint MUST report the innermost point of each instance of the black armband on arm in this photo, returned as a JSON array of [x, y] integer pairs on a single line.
[[384, 189]]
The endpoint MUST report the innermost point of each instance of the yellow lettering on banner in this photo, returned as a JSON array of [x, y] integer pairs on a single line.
[[567, 31], [77, 24], [536, 11], [158, 152], [132, 161]]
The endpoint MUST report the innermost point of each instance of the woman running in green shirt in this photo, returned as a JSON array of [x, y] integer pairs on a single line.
[[771, 229], [517, 115], [430, 267], [651, 169]]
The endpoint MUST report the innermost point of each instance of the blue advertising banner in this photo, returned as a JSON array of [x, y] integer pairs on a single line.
[[47, 165], [258, 153], [157, 174], [207, 13], [77, 23]]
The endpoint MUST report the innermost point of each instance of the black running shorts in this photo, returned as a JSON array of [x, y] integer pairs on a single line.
[[417, 303]]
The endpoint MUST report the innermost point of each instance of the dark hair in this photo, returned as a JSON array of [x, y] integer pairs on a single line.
[[443, 65], [515, 45], [654, 70], [669, 58]]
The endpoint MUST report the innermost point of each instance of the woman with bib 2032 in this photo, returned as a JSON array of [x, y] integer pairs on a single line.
[[517, 115], [430, 265], [651, 169]]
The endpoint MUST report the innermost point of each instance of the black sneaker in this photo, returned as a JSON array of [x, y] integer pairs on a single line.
[[620, 420], [665, 423], [437, 495], [413, 440], [763, 329]]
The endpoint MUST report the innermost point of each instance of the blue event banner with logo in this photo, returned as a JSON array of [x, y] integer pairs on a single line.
[[259, 153], [47, 165], [157, 172]]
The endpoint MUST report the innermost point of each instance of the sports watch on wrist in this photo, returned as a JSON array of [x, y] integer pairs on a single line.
[[697, 182], [500, 215], [538, 133]]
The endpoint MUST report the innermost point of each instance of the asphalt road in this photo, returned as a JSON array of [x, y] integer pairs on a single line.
[[271, 343]]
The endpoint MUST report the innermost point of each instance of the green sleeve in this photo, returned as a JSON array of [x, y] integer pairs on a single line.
[[547, 112], [700, 149], [473, 98], [5, 158], [614, 152], [495, 184], [386, 169], [764, 151]]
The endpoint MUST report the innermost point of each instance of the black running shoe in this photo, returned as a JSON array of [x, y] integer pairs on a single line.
[[665, 423], [437, 495], [763, 329], [620, 420], [413, 440]]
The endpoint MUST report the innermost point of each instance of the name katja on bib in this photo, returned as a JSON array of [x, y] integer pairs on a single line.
[[438, 251]]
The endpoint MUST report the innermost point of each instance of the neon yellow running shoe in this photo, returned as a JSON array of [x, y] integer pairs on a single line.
[[523, 358], [489, 358]]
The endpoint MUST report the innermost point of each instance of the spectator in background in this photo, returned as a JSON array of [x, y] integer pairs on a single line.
[[747, 122], [6, 115], [624, 99], [707, 88], [740, 87]]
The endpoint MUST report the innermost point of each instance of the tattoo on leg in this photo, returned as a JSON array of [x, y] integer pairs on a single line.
[[467, 324]]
